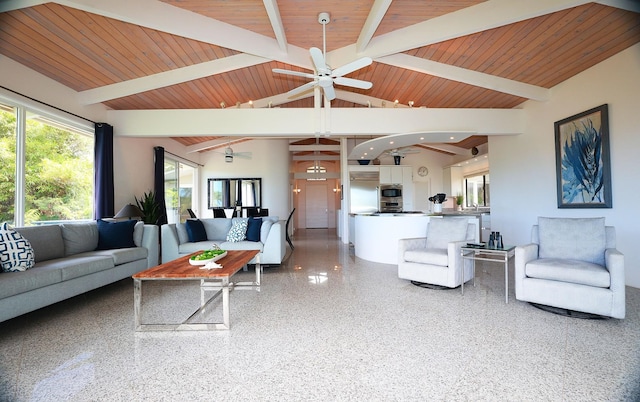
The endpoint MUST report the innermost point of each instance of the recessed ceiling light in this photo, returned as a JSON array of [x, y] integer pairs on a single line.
[[390, 142], [421, 138], [451, 138]]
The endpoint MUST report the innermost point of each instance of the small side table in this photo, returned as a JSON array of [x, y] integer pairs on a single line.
[[486, 253]]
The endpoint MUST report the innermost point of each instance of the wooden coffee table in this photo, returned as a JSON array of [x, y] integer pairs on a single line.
[[217, 280]]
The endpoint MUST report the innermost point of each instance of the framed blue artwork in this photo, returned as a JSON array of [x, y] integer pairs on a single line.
[[583, 167]]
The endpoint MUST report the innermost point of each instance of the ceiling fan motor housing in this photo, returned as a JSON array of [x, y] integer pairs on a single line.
[[323, 18]]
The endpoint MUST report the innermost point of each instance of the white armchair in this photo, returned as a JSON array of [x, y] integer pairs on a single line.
[[573, 264], [436, 259]]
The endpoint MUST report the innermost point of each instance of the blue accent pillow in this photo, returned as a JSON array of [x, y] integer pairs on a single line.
[[115, 234], [195, 230], [253, 229]]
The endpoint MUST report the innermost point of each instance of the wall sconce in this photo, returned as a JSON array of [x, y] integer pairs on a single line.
[[270, 104], [296, 190], [410, 103], [395, 103], [383, 104], [369, 104], [251, 104], [238, 104], [223, 105]]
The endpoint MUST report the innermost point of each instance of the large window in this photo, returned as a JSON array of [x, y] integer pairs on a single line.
[[46, 167], [477, 188], [179, 179]]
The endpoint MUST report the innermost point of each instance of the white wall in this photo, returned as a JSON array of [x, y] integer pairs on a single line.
[[523, 170], [269, 161]]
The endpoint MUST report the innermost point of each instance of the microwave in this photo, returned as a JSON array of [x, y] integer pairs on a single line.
[[391, 191]]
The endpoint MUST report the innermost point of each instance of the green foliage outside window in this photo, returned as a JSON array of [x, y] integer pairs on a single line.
[[58, 172]]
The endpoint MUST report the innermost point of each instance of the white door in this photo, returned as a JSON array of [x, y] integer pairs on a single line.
[[316, 205]]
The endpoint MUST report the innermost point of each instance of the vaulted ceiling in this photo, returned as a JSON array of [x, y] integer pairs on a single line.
[[209, 54]]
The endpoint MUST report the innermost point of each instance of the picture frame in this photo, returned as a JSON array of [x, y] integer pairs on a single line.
[[583, 166]]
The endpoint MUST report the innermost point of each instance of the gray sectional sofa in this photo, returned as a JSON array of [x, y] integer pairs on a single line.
[[271, 242], [68, 263]]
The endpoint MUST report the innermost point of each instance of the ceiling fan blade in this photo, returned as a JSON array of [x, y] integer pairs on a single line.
[[242, 155], [318, 61], [329, 92], [350, 82], [302, 88], [351, 67], [296, 73]]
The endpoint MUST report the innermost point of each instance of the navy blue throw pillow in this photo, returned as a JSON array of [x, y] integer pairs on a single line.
[[195, 230], [253, 229], [115, 234]]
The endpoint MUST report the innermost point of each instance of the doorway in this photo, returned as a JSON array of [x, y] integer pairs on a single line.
[[316, 205]]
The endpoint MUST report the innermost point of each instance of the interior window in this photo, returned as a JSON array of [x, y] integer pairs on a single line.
[[477, 190]]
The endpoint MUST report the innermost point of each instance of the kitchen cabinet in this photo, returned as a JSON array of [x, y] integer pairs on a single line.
[[395, 174]]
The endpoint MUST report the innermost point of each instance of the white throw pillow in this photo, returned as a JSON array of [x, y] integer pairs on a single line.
[[16, 253], [238, 230]]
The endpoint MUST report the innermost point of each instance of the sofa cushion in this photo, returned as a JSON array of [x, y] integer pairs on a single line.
[[82, 264], [115, 234], [433, 256], [253, 229], [217, 228], [79, 237], [442, 231], [122, 255], [565, 270], [572, 238], [238, 230], [188, 247], [195, 230], [39, 276], [16, 253], [46, 241], [242, 245]]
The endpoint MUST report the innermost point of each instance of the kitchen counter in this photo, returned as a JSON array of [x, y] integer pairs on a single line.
[[376, 235]]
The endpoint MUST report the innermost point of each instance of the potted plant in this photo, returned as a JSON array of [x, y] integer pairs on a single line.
[[149, 207], [459, 200]]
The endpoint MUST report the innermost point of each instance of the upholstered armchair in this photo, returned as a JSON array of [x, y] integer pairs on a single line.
[[572, 264], [435, 259]]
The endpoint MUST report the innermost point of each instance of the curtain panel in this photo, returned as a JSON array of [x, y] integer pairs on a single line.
[[103, 172]]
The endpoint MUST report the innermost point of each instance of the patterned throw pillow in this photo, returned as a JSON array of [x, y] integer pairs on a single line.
[[16, 253], [238, 230]]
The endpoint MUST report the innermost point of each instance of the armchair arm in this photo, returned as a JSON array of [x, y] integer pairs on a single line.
[[523, 255], [410, 244], [454, 250], [614, 262]]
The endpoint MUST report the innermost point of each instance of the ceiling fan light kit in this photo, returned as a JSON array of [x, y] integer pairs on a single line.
[[325, 77]]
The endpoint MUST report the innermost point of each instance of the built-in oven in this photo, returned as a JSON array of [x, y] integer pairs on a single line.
[[390, 198]]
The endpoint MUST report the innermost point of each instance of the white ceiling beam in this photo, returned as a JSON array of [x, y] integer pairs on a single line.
[[314, 147], [167, 78], [300, 122], [629, 5], [11, 5], [377, 12], [366, 100], [466, 76], [276, 22], [480, 17], [312, 157]]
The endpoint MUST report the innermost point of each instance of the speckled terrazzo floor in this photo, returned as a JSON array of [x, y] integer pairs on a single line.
[[325, 326]]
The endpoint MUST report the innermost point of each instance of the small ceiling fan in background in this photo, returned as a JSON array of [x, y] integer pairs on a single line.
[[324, 76], [399, 153], [229, 154]]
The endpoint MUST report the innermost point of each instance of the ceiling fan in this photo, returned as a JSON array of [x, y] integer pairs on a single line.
[[229, 154], [324, 76], [399, 153]]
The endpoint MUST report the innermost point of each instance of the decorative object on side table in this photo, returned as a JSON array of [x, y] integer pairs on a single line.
[[583, 167]]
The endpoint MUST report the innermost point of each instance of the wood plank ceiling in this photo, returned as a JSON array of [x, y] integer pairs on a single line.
[[87, 50]]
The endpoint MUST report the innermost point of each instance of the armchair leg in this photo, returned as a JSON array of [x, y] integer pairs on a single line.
[[568, 313]]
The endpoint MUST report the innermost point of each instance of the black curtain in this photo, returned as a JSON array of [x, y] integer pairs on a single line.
[[158, 181], [103, 171]]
